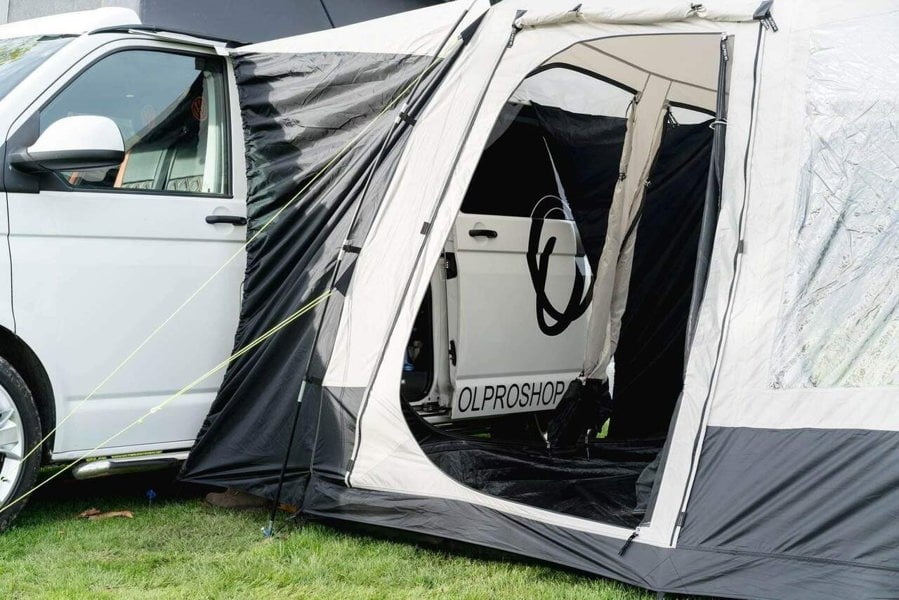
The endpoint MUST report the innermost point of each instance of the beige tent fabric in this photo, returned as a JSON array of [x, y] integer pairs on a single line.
[[613, 271], [682, 59]]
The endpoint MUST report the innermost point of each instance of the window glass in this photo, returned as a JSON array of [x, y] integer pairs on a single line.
[[20, 56], [170, 109]]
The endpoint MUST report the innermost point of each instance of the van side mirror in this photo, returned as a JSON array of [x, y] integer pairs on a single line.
[[73, 144]]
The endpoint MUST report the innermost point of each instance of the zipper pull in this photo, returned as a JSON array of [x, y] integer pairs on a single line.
[[515, 28], [627, 542]]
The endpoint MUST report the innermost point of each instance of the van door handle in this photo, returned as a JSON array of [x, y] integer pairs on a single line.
[[488, 233], [230, 219]]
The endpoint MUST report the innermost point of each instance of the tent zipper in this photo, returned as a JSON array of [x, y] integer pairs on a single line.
[[628, 541]]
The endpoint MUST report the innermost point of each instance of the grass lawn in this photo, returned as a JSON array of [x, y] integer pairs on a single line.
[[181, 548]]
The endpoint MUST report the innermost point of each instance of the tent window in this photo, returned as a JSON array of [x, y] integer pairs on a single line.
[[839, 314]]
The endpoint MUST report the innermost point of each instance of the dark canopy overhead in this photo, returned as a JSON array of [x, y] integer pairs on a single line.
[[267, 19]]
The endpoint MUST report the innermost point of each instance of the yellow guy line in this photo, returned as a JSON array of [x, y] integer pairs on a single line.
[[190, 298], [284, 323]]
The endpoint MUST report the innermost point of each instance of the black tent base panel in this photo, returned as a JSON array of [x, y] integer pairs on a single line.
[[446, 546], [693, 571], [602, 486], [427, 542], [596, 480]]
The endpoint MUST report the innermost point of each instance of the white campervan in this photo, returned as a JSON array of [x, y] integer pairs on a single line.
[[123, 191]]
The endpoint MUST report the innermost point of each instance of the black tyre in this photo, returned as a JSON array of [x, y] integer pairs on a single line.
[[20, 430]]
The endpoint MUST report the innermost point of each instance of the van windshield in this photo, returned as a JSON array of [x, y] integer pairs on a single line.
[[20, 56]]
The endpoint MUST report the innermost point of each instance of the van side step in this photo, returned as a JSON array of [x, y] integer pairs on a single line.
[[127, 464]]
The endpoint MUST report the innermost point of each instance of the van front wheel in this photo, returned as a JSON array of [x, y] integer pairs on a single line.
[[20, 431]]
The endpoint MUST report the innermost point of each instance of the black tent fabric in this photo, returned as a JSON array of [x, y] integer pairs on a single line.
[[649, 360], [595, 480], [587, 153], [303, 115], [240, 21]]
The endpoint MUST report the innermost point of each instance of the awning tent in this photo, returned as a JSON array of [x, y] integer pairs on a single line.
[[778, 475]]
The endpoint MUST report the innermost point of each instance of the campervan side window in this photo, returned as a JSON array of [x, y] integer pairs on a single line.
[[170, 110]]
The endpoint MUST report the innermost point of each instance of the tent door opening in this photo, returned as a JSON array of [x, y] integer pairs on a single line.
[[557, 320]]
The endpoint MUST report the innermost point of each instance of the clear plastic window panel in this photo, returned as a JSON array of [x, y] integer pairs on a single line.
[[839, 318]]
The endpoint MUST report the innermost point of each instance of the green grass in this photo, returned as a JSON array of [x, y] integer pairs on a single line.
[[181, 548]]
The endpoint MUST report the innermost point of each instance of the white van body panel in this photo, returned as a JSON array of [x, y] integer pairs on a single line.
[[505, 364]]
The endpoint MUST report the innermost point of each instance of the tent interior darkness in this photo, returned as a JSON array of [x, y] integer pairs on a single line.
[[566, 127]]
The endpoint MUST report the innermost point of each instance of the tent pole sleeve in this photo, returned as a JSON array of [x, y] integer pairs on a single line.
[[741, 220]]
